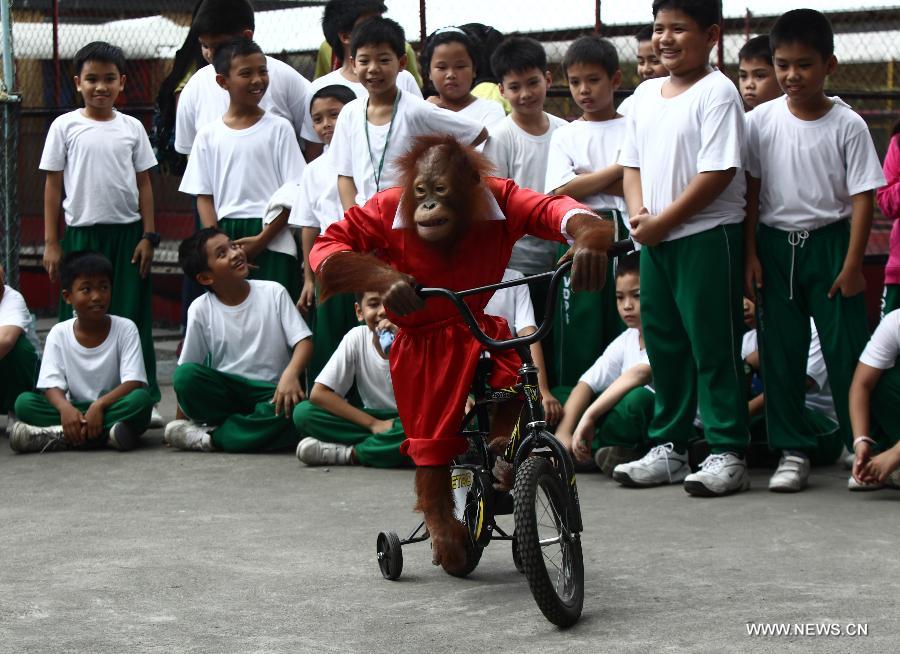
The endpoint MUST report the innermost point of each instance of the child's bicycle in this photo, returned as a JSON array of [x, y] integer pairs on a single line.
[[546, 541]]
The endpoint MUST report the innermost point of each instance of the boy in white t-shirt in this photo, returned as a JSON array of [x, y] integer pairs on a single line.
[[608, 412], [684, 185], [339, 18], [875, 392], [648, 64], [203, 100], [92, 374], [372, 132], [103, 158], [756, 72], [238, 163], [581, 163], [519, 144], [317, 206], [18, 359], [246, 346], [333, 431], [813, 174]]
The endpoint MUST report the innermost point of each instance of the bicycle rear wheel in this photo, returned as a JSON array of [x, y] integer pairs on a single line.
[[549, 551]]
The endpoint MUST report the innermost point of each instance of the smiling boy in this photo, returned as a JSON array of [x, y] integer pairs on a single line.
[[813, 174], [103, 159], [684, 186], [246, 345]]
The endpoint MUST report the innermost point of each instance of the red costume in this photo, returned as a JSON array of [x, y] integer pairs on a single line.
[[434, 356]]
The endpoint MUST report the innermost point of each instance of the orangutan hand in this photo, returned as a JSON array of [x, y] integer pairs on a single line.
[[401, 298]]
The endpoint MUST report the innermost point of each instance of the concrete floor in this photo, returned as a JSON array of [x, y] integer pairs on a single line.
[[165, 551]]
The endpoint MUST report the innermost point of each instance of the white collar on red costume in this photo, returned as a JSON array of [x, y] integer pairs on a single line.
[[493, 207]]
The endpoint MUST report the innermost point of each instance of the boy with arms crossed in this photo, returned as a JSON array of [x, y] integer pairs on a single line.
[[92, 374], [256, 345], [103, 158], [372, 132], [203, 101], [684, 185], [805, 259], [335, 432], [239, 161]]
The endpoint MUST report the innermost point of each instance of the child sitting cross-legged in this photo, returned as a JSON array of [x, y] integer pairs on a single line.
[[246, 345], [613, 426], [92, 374], [334, 431]]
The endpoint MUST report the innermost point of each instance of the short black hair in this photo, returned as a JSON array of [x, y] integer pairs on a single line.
[[592, 49], [806, 26], [82, 264], [516, 55], [239, 46], [487, 38], [339, 92], [339, 17], [192, 251], [100, 51], [223, 17], [756, 48], [705, 12], [378, 31], [628, 264], [644, 34], [449, 35]]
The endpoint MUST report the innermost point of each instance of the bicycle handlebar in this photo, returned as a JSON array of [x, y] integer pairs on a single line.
[[618, 248]]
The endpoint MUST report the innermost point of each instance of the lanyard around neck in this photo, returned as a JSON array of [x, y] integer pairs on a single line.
[[387, 140]]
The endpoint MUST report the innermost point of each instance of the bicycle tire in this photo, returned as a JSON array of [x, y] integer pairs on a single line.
[[542, 505]]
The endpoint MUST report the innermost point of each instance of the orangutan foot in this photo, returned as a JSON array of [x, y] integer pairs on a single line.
[[504, 474], [449, 537]]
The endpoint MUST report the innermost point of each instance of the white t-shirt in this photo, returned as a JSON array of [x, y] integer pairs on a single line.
[[356, 358], [242, 168], [86, 373], [254, 339], [818, 398], [484, 112], [13, 310], [415, 117], [318, 203], [99, 160], [405, 82], [809, 168], [522, 157], [884, 347], [585, 146], [625, 106], [203, 101], [623, 354], [673, 139], [513, 303]]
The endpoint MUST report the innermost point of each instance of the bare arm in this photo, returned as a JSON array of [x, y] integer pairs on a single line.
[[9, 335], [481, 138], [207, 210], [94, 415], [52, 200], [143, 252], [347, 191], [599, 181], [255, 245], [325, 398], [552, 408], [579, 399], [634, 194], [72, 419], [850, 281], [288, 393], [308, 294], [865, 378]]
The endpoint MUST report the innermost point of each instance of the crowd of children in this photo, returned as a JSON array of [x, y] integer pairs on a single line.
[[742, 313]]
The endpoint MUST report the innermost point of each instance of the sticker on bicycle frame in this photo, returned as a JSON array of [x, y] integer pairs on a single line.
[[461, 480], [532, 393]]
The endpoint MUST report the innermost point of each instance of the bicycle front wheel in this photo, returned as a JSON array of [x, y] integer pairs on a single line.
[[550, 552]]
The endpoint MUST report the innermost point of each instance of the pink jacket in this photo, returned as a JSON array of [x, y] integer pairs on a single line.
[[888, 198]]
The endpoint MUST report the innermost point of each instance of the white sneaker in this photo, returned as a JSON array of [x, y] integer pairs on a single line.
[[156, 419], [719, 474], [28, 438], [792, 474], [661, 465], [314, 452], [859, 487], [188, 435]]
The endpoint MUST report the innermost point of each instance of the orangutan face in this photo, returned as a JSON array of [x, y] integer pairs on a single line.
[[436, 215]]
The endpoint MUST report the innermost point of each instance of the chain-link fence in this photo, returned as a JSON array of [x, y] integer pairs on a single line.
[[47, 33]]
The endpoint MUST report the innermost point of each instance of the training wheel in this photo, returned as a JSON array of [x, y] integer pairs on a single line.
[[390, 556]]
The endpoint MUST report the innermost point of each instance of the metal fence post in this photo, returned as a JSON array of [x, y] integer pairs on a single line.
[[9, 188]]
